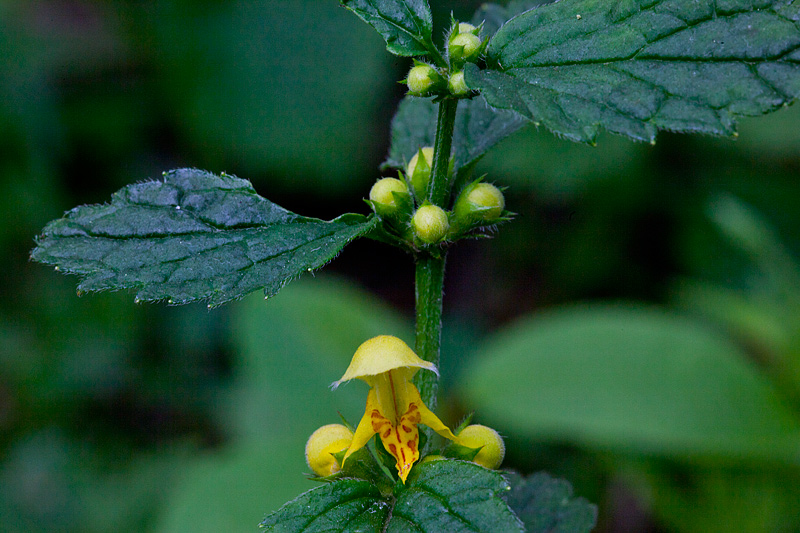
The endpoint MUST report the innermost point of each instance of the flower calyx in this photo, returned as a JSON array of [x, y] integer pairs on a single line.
[[391, 199], [478, 205], [424, 80], [464, 44], [394, 407], [457, 86], [419, 170], [430, 224]]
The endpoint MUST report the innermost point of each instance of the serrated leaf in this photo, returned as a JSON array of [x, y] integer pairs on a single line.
[[478, 127], [453, 496], [447, 495], [405, 25], [193, 236], [344, 505], [546, 505], [635, 67]]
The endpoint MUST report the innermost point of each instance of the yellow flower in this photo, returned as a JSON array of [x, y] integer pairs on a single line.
[[394, 407]]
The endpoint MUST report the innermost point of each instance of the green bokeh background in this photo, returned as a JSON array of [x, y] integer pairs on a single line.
[[635, 330]]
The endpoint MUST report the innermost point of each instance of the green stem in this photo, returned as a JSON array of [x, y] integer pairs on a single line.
[[429, 291], [440, 184]]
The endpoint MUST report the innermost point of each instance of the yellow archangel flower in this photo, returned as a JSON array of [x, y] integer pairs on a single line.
[[394, 407]]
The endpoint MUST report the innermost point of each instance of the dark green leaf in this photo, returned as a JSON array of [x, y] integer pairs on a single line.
[[546, 505], [638, 66], [193, 236], [406, 25], [630, 379], [478, 127], [447, 495], [344, 505], [453, 496], [493, 16]]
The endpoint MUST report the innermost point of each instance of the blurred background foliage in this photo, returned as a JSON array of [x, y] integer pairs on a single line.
[[635, 330]]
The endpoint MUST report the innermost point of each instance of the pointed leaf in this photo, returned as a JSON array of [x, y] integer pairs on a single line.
[[446, 495], [193, 236], [405, 25], [638, 66], [546, 505]]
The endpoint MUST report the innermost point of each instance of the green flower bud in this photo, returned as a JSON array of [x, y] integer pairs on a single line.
[[457, 85], [466, 27], [464, 46], [479, 202], [492, 449], [421, 79], [321, 446], [419, 171], [383, 197], [430, 224]]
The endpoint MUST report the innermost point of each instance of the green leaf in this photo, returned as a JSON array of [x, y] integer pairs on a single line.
[[546, 505], [192, 236], [630, 379], [344, 505], [493, 16], [405, 25], [443, 495], [638, 66], [477, 129]]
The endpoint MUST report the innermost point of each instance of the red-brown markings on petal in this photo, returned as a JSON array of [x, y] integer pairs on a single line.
[[393, 450]]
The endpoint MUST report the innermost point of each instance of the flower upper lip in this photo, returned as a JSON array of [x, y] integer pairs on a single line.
[[381, 354]]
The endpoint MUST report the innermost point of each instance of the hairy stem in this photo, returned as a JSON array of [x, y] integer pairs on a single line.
[[429, 277], [429, 290], [445, 123]]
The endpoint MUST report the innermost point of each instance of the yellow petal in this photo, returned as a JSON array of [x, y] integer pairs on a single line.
[[381, 354], [428, 418], [364, 431]]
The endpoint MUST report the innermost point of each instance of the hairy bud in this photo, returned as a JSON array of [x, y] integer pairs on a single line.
[[321, 446], [492, 449], [430, 224]]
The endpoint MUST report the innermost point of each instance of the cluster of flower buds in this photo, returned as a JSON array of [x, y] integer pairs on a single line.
[[403, 204], [464, 45]]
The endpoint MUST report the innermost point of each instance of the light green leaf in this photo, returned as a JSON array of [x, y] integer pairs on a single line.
[[546, 505], [406, 25], [630, 379], [193, 236], [448, 495], [638, 66]]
